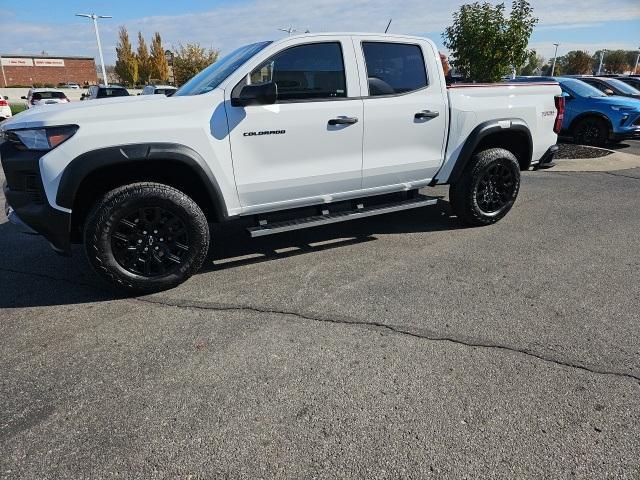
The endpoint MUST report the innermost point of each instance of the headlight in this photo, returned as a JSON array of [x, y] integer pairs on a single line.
[[44, 138]]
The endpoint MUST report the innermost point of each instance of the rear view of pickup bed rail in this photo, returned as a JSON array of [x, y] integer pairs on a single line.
[[305, 131]]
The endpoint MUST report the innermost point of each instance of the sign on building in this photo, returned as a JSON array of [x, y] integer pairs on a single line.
[[17, 62], [48, 62]]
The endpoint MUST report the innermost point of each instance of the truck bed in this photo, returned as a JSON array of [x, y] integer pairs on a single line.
[[472, 104]]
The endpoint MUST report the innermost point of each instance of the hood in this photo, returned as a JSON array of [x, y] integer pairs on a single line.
[[107, 109], [618, 101]]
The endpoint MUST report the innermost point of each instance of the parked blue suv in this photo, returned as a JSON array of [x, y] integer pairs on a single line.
[[591, 117]]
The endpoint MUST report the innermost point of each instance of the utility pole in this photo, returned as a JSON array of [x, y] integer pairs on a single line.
[[635, 69], [555, 56], [95, 18], [4, 77], [601, 60]]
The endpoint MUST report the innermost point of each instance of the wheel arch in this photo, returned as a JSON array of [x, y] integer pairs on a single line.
[[588, 114], [513, 134], [94, 173]]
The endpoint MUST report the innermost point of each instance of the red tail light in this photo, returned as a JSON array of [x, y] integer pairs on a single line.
[[557, 126], [3, 103]]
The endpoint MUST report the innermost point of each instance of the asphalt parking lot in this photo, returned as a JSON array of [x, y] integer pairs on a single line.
[[400, 346]]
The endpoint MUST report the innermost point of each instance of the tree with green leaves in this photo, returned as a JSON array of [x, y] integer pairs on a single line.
[[615, 61], [534, 64], [144, 60], [190, 59], [126, 64], [159, 65], [486, 45], [548, 67], [576, 62]]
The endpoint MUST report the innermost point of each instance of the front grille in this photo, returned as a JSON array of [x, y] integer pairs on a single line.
[[26, 181]]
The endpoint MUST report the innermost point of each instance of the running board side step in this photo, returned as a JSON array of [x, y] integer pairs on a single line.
[[326, 218]]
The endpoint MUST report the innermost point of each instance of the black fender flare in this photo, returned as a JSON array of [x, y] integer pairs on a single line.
[[81, 166], [482, 131]]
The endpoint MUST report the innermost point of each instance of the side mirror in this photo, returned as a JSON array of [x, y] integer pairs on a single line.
[[6, 97], [263, 94], [608, 91]]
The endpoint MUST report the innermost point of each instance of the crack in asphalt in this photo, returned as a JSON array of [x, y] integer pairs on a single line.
[[600, 172], [620, 175], [208, 306], [393, 328]]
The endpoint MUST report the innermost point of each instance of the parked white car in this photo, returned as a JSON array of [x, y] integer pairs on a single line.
[[45, 96], [301, 132], [167, 90], [73, 86], [5, 109]]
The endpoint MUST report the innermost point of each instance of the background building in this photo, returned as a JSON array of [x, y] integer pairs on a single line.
[[29, 70]]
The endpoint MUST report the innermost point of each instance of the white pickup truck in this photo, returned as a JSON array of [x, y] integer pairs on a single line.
[[304, 131]]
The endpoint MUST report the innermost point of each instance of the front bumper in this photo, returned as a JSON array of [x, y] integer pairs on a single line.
[[27, 204], [632, 134]]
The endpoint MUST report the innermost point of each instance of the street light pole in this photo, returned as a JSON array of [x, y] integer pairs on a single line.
[[601, 59], [95, 18], [635, 69], [555, 55]]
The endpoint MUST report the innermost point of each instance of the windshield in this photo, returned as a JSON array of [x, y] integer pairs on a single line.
[[112, 92], [623, 87], [47, 95], [216, 73], [580, 88]]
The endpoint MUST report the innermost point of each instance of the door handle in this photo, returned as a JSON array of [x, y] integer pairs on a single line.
[[426, 114], [343, 121]]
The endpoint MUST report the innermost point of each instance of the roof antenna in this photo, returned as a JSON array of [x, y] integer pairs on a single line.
[[388, 25], [288, 31]]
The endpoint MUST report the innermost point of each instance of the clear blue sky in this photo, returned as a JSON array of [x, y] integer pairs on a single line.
[[31, 26]]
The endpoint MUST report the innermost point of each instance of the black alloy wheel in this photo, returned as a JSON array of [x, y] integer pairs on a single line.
[[487, 188], [591, 131], [150, 241], [495, 188], [146, 237]]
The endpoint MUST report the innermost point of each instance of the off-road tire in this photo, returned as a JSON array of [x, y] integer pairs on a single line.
[[591, 131], [464, 195], [109, 211]]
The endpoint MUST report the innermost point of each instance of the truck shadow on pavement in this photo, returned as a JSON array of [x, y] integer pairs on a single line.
[[32, 275]]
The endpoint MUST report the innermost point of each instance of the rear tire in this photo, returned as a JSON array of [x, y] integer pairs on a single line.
[[146, 237], [487, 189], [591, 131]]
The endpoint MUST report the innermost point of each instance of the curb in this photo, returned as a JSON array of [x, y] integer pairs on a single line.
[[615, 161]]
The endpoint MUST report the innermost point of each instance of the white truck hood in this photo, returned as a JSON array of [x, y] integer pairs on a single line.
[[105, 110]]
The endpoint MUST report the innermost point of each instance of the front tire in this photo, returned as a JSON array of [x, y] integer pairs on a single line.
[[487, 189], [146, 237], [591, 131]]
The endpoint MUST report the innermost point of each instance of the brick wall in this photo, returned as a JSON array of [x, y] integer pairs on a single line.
[[75, 70]]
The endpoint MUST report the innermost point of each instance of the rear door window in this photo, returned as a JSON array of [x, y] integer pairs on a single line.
[[394, 68]]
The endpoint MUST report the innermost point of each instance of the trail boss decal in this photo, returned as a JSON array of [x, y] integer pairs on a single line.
[[264, 132]]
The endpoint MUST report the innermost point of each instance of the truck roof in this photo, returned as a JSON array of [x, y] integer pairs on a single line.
[[355, 34]]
